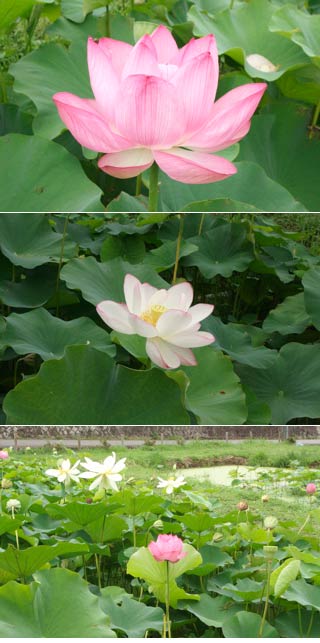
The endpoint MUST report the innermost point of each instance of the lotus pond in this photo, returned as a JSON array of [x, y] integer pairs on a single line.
[[75, 559]]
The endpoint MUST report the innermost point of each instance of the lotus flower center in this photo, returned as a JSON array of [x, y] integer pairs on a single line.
[[152, 314]]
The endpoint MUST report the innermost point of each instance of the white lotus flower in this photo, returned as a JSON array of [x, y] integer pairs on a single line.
[[171, 484], [164, 317], [106, 475], [13, 505], [65, 472]]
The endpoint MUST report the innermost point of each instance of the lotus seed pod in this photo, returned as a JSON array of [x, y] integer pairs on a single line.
[[158, 524], [242, 505], [6, 484], [270, 522]]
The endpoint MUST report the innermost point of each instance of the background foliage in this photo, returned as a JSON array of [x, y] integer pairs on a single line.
[[44, 51]]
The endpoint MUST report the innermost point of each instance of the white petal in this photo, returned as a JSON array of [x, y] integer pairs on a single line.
[[180, 296], [116, 316]]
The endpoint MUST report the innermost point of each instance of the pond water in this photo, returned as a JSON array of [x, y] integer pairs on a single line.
[[220, 474]]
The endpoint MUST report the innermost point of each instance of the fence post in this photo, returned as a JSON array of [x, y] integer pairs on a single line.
[[227, 436], [15, 437]]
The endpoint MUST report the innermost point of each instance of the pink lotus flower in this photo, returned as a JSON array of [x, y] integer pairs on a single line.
[[167, 547], [165, 317], [311, 488], [155, 102], [4, 455]]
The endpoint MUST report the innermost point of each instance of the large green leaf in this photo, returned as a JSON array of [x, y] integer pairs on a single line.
[[143, 565], [222, 251], [79, 513], [311, 280], [77, 10], [303, 593], [238, 344], [87, 387], [59, 604], [35, 289], [51, 180], [247, 625], [302, 84], [214, 394], [245, 30], [39, 332], [132, 617], [30, 241], [100, 281], [250, 185], [291, 387], [279, 142], [24, 562], [301, 27], [10, 10], [290, 624], [211, 611], [288, 317]]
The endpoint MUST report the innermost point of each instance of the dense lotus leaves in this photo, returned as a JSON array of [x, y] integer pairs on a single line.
[[130, 248], [34, 244], [39, 332], [279, 141], [222, 251], [289, 317], [291, 387], [214, 394], [289, 624], [164, 257], [34, 290], [132, 617], [310, 281], [250, 185], [62, 393], [22, 563], [247, 625], [76, 10], [100, 281], [301, 27], [143, 565], [245, 30], [42, 186], [303, 593], [212, 558], [237, 342], [10, 10], [43, 609], [211, 611]]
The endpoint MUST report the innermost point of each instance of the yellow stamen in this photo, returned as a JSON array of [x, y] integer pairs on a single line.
[[151, 315]]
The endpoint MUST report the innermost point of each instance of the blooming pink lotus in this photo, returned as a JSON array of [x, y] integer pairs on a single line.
[[4, 455], [164, 317], [311, 488], [167, 547], [155, 102]]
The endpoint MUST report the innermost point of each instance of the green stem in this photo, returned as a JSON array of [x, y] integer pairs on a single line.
[[315, 117], [201, 223], [84, 567], [153, 188], [108, 29], [66, 221], [32, 24], [304, 524], [168, 624], [179, 239], [96, 557], [264, 616], [138, 185], [310, 624]]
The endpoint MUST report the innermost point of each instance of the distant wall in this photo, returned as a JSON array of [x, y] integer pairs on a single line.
[[187, 432]]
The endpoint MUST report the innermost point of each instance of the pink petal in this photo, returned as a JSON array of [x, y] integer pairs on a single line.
[[149, 112], [132, 293], [142, 59], [230, 118], [193, 167], [119, 52], [200, 312], [126, 164], [191, 339], [103, 78], [164, 43], [86, 124], [116, 316], [172, 322], [179, 296], [195, 47], [196, 83]]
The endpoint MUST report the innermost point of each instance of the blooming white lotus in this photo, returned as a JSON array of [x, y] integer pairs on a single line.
[[65, 472], [13, 505], [106, 475], [164, 317], [171, 484]]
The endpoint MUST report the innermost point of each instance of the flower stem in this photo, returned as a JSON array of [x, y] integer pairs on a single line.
[[168, 624], [153, 188], [266, 605], [315, 117], [179, 239], [138, 185], [201, 223], [97, 560], [66, 221], [108, 33]]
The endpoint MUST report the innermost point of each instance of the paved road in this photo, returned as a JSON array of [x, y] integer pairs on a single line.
[[130, 443]]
